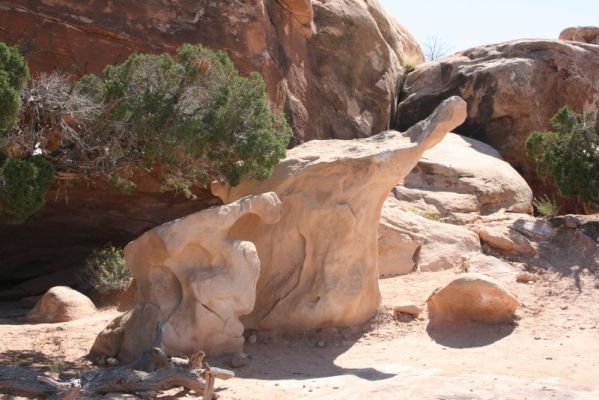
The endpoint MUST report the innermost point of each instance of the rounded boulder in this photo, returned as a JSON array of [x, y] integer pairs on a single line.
[[473, 297], [61, 304]]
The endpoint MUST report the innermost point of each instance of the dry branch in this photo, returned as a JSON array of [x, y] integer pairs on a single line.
[[151, 372]]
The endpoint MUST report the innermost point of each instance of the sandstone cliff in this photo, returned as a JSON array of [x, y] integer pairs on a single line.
[[332, 65]]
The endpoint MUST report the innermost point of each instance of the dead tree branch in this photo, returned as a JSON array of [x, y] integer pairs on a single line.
[[153, 371]]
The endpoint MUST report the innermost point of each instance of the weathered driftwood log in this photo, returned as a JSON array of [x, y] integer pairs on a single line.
[[22, 381], [151, 372]]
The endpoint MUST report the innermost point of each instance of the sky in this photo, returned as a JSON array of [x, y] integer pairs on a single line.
[[462, 24]]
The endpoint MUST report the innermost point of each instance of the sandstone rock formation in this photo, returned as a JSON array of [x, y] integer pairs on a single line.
[[511, 88], [585, 34], [332, 65], [425, 225], [408, 241], [472, 297], [462, 175], [194, 277], [60, 304], [319, 262]]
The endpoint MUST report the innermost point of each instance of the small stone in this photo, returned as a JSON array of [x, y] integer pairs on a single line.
[[565, 307], [407, 308], [571, 221], [526, 277], [252, 339], [239, 360], [112, 361], [321, 343]]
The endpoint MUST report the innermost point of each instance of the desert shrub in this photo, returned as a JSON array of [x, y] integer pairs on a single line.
[[191, 117], [14, 74], [106, 270], [23, 185], [546, 206], [410, 64], [569, 155]]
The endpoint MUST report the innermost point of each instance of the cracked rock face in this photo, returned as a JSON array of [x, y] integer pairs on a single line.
[[319, 262], [194, 277]]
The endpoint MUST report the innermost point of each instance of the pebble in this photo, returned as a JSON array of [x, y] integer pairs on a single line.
[[407, 308], [321, 343], [252, 339], [526, 277], [112, 361]]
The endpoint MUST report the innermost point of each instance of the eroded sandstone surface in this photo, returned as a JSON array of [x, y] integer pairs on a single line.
[[319, 262], [197, 280], [426, 222], [463, 176]]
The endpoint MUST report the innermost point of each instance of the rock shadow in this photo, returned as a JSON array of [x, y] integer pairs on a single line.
[[467, 334], [39, 362], [300, 359]]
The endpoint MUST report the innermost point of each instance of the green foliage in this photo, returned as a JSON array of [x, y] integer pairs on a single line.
[[569, 155], [195, 116], [23, 186], [188, 120], [546, 207], [14, 74], [106, 270]]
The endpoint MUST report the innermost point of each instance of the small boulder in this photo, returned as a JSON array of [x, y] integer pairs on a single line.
[[407, 308], [506, 240], [473, 297], [61, 304]]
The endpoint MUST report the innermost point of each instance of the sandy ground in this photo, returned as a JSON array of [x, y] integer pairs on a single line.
[[551, 353]]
